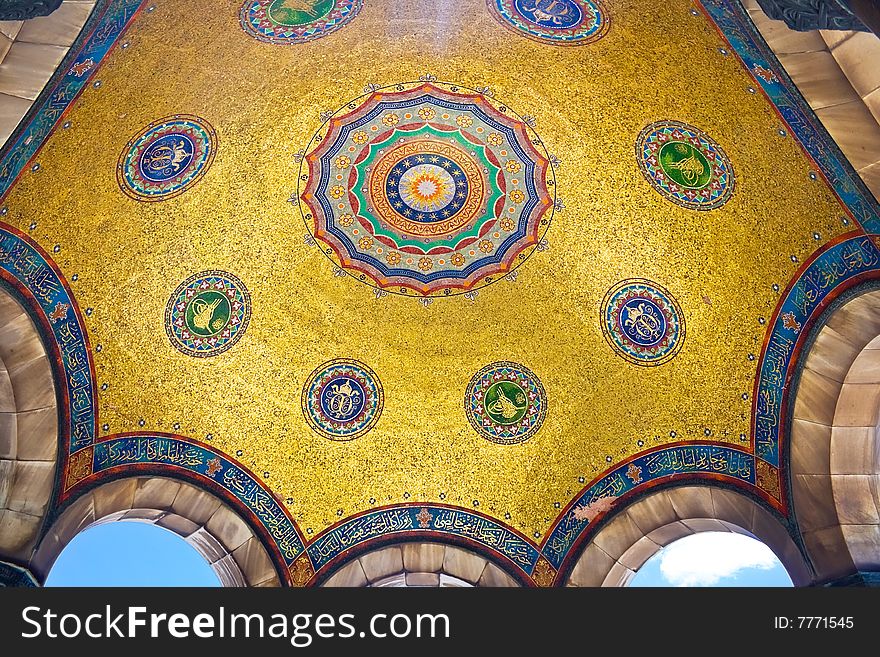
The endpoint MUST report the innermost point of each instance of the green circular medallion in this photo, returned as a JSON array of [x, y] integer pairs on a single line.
[[506, 402], [208, 313], [686, 165], [299, 12]]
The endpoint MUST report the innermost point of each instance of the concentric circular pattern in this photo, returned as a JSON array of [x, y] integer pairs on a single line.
[[557, 22], [426, 188], [506, 403], [342, 399], [207, 314], [685, 165], [642, 322], [295, 21], [168, 157]]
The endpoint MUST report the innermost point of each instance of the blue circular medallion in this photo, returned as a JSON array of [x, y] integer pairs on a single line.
[[342, 399], [558, 14], [642, 322], [427, 188], [166, 157], [556, 22]]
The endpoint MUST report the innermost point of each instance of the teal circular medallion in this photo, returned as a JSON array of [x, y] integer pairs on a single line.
[[505, 403], [684, 165], [207, 314]]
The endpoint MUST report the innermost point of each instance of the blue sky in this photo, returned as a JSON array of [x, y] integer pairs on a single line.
[[130, 554], [717, 559], [139, 554]]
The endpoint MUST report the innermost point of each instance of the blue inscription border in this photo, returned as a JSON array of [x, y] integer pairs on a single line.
[[733, 22], [169, 453], [834, 267], [717, 460], [25, 264], [108, 21]]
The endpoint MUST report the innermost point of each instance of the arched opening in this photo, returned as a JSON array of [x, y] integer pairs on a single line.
[[717, 559], [834, 448], [642, 529], [222, 538], [130, 553], [28, 431], [420, 565]]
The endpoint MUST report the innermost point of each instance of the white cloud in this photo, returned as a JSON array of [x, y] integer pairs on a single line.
[[708, 557]]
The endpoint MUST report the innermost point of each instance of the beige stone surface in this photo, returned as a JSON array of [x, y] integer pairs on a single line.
[[864, 545], [591, 568], [858, 405], [854, 496], [228, 528], [865, 368], [819, 78], [858, 57], [463, 564], [636, 556], [114, 496], [423, 579], [254, 561], [27, 67], [832, 354], [38, 434], [423, 557], [351, 575], [618, 536], [495, 577], [814, 501], [816, 397], [31, 487], [382, 563], [854, 450], [195, 504], [155, 493], [60, 28], [810, 447], [32, 385]]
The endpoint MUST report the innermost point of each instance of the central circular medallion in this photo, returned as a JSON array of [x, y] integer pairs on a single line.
[[207, 314], [427, 188], [505, 403], [342, 399], [642, 322]]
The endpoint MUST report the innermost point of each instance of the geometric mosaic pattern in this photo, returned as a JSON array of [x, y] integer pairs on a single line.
[[166, 158], [506, 403], [295, 21], [642, 322], [207, 314], [685, 165], [556, 22], [342, 399], [427, 189]]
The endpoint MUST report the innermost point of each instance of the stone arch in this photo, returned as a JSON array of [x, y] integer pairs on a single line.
[[28, 431], [638, 531], [206, 522], [834, 448], [424, 564]]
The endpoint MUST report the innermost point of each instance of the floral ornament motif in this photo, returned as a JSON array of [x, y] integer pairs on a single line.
[[554, 22], [642, 322], [685, 165], [342, 399], [452, 194], [207, 314], [166, 158], [286, 22], [505, 403]]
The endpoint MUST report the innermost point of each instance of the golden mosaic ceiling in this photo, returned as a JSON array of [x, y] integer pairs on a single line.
[[658, 62]]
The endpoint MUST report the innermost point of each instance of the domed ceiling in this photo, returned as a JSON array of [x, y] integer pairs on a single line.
[[477, 267]]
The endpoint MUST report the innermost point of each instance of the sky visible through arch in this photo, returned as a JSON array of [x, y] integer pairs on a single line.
[[140, 554], [130, 553]]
